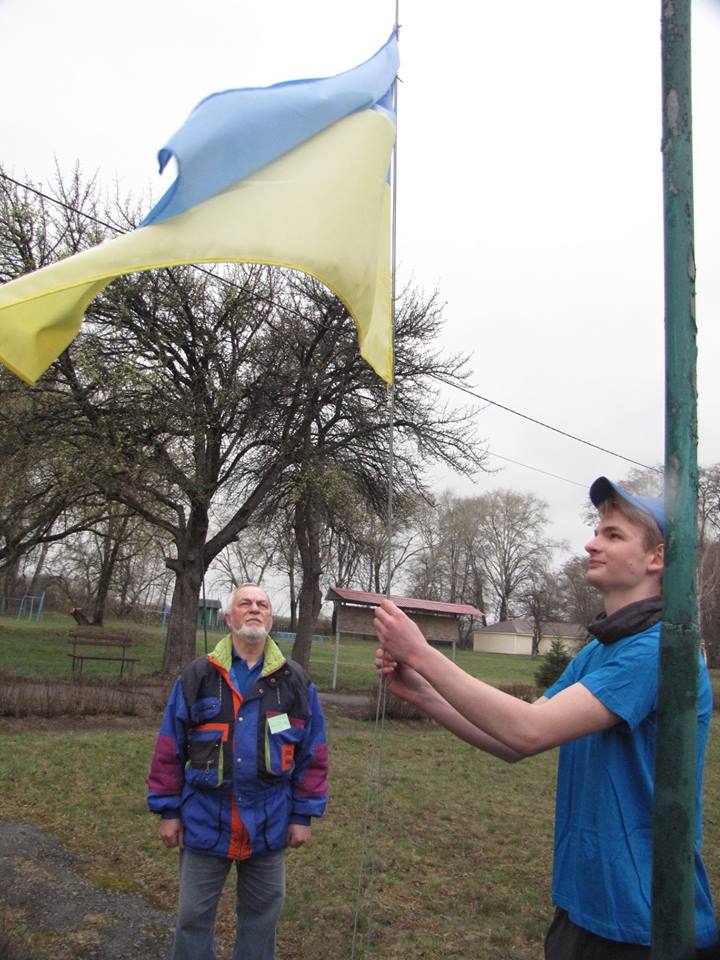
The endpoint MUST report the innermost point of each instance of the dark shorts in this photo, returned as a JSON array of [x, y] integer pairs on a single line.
[[566, 941]]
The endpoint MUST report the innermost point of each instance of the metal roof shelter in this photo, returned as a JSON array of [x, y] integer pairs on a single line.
[[357, 597], [438, 620]]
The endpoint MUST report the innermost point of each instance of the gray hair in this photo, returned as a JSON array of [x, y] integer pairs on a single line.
[[228, 601]]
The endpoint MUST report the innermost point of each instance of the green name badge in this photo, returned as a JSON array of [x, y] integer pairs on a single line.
[[279, 723]]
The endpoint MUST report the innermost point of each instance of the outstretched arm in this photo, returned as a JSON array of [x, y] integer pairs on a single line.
[[406, 683], [524, 728]]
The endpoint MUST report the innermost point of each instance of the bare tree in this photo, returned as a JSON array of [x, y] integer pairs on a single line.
[[448, 566], [250, 556], [541, 601], [708, 576], [185, 390], [581, 603], [42, 498], [172, 393], [345, 442], [513, 544]]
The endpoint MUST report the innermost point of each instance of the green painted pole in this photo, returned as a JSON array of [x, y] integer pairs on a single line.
[[673, 913]]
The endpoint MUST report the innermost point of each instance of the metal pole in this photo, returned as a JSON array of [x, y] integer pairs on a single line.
[[391, 386], [673, 912], [337, 646]]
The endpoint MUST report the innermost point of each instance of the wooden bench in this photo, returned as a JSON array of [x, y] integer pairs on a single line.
[[100, 641]]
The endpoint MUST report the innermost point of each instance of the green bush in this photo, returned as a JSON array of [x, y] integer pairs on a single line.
[[553, 664]]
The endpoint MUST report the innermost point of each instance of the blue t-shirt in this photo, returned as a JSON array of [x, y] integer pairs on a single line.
[[602, 868]]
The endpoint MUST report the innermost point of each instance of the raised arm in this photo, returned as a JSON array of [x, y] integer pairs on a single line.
[[524, 728]]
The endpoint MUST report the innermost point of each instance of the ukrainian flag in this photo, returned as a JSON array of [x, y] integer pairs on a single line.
[[295, 174]]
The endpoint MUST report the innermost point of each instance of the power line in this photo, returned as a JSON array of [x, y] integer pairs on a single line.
[[540, 423], [104, 223], [60, 203], [555, 476], [118, 230]]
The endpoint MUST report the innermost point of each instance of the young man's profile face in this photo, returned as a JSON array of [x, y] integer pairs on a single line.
[[617, 556]]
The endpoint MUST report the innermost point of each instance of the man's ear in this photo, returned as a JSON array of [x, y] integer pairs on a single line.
[[657, 559]]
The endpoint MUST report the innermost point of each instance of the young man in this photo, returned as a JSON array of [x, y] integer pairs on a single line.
[[240, 767], [601, 712]]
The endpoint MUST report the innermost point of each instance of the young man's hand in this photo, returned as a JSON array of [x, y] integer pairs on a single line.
[[402, 681], [401, 638]]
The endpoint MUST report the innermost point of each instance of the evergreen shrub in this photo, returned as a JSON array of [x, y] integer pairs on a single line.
[[553, 664]]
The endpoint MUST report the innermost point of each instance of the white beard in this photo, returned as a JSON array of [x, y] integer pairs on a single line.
[[252, 635]]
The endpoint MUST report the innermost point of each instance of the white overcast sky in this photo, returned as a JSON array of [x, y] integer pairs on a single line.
[[529, 188]]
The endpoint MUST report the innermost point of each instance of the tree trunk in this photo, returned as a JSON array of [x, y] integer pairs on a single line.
[[180, 642], [307, 537], [44, 550], [377, 571], [293, 598], [10, 574], [123, 594], [113, 542]]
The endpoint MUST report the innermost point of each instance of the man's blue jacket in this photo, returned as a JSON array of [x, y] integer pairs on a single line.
[[238, 771]]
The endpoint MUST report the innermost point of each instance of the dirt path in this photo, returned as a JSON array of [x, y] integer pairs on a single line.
[[70, 918]]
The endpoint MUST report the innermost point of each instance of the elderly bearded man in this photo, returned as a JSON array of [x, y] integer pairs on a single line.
[[239, 768], [601, 713]]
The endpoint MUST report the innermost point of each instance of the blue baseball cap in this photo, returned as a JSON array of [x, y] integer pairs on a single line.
[[603, 488]]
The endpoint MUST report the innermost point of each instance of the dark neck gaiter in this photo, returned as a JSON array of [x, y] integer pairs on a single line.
[[634, 618]]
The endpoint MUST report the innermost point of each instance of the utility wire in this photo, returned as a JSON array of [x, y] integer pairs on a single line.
[[527, 466], [118, 230], [540, 423], [60, 203]]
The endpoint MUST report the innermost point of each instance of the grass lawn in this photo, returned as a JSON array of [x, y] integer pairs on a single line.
[[40, 649], [463, 853], [463, 849]]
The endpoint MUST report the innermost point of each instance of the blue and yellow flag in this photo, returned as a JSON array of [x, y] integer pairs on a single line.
[[295, 174]]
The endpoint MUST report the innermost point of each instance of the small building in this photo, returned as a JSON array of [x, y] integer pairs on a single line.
[[516, 636], [210, 613], [439, 622]]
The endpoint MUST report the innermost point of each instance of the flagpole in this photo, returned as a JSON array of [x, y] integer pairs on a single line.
[[391, 385], [673, 893]]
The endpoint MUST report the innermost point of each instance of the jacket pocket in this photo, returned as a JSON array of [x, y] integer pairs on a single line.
[[201, 815], [205, 709], [204, 766], [276, 819], [281, 745]]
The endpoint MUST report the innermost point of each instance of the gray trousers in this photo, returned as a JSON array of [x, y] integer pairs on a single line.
[[260, 895]]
